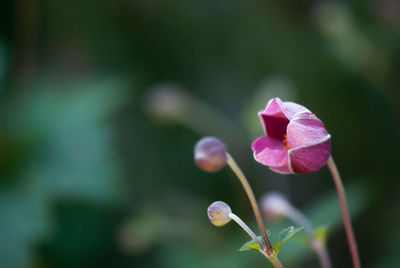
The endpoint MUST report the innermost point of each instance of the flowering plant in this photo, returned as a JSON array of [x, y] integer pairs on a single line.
[[296, 142]]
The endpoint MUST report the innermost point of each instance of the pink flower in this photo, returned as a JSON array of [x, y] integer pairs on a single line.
[[296, 140]]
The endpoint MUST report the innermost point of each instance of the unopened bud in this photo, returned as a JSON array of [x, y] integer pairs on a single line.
[[210, 154], [164, 102], [274, 205], [218, 213]]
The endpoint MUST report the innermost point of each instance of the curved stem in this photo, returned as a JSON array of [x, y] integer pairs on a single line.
[[235, 168], [345, 212], [322, 252], [318, 245], [272, 258], [247, 229], [195, 114]]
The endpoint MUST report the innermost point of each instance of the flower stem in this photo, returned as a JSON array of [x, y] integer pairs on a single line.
[[322, 252], [318, 245], [345, 212], [195, 114], [235, 168], [247, 229], [273, 259]]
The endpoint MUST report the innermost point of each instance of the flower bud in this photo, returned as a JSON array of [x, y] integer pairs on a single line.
[[295, 141], [274, 205], [210, 154], [218, 213], [164, 102]]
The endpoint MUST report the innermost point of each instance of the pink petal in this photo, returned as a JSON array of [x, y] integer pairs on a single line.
[[305, 129], [271, 152], [274, 120], [290, 109], [310, 143], [274, 106], [309, 158], [285, 109], [276, 116]]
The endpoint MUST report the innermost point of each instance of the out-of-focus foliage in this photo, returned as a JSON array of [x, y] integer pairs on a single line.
[[59, 134], [91, 176]]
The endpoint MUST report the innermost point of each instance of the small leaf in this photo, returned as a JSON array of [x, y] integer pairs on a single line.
[[286, 234], [252, 245]]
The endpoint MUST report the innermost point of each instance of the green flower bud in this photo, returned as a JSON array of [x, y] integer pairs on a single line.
[[218, 213]]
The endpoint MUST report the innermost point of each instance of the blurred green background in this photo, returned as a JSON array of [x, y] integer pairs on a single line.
[[101, 103]]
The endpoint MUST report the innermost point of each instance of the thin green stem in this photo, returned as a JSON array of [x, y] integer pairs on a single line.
[[320, 248], [345, 212], [318, 245], [235, 168], [195, 114], [247, 229], [273, 259]]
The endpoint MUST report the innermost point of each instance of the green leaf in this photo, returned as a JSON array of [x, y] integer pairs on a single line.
[[286, 234], [252, 245]]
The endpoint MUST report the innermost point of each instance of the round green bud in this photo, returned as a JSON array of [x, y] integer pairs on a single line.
[[218, 213], [210, 154]]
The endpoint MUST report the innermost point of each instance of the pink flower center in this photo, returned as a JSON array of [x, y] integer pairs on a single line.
[[275, 125]]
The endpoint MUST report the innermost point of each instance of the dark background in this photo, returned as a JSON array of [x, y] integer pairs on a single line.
[[102, 101]]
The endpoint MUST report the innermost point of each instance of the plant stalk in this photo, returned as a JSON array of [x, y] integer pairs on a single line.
[[235, 168], [247, 229], [318, 245], [273, 259], [322, 252], [345, 212]]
